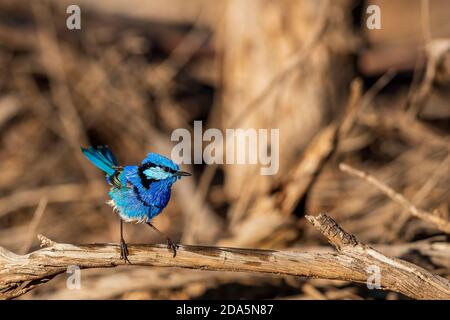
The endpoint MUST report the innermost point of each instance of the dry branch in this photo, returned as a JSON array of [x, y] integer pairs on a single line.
[[21, 273], [441, 223]]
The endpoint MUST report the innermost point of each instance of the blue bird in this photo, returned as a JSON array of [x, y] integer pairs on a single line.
[[138, 193]]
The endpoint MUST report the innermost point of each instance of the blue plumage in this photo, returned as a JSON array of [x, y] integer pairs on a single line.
[[140, 196], [102, 157], [138, 193]]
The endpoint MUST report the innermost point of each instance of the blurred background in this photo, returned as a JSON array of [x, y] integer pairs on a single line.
[[139, 69]]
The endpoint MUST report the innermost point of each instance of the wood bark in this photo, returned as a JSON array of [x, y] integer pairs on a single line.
[[351, 262]]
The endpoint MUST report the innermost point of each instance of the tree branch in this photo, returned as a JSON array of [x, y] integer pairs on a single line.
[[440, 222], [21, 273]]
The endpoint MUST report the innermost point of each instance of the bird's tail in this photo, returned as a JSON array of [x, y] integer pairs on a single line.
[[102, 157]]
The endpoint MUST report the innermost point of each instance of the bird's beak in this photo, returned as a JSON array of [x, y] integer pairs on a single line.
[[182, 174]]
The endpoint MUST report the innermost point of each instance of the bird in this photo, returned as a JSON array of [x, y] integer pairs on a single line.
[[139, 192]]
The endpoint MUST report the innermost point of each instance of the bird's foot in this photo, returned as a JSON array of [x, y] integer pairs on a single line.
[[172, 246], [124, 251]]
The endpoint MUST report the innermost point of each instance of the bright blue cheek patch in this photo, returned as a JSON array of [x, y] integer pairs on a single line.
[[157, 173]]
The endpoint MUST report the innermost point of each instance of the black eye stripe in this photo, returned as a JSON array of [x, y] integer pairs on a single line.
[[145, 181], [149, 165], [166, 169]]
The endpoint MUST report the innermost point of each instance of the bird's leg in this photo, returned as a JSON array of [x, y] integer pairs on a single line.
[[170, 244], [123, 245]]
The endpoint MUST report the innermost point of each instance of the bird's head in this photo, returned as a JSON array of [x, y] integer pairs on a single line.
[[158, 167]]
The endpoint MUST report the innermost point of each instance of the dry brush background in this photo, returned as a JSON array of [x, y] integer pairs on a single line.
[[376, 100]]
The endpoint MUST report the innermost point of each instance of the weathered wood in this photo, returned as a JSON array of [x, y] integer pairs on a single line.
[[21, 273]]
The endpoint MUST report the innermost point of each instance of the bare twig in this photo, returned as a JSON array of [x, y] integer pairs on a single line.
[[19, 274], [55, 194], [326, 141], [307, 169], [34, 224], [433, 253], [163, 74], [9, 107], [52, 59], [441, 223], [435, 51], [407, 127], [423, 192]]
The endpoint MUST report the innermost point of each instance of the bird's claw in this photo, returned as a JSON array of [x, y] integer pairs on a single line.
[[172, 246], [124, 251]]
